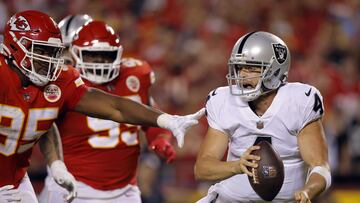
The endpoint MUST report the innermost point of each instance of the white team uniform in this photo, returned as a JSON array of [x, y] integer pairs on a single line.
[[27, 192], [294, 106], [53, 193]]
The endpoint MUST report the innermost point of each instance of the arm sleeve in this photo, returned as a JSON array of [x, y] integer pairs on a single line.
[[314, 108], [212, 114]]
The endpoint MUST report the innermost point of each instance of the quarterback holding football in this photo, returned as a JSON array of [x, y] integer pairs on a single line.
[[258, 104]]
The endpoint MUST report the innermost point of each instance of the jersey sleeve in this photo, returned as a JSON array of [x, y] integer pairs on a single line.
[[313, 109], [75, 90], [212, 111], [144, 72]]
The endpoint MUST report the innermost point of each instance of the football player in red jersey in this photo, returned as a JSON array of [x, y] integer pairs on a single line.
[[109, 149], [34, 92]]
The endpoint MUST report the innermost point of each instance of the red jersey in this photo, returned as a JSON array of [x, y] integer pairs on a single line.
[[102, 153], [28, 112]]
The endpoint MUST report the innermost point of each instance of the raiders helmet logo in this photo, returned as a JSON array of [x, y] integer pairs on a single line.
[[280, 52], [19, 24]]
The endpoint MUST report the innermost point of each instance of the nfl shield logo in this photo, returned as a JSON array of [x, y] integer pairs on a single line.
[[280, 52], [260, 125], [269, 171]]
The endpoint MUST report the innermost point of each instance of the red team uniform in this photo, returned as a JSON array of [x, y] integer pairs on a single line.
[[101, 153], [34, 93], [27, 113]]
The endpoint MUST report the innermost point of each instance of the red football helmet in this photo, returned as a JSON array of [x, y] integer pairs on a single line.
[[97, 52], [33, 40]]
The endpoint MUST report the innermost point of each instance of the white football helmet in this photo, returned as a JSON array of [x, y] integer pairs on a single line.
[[70, 24], [258, 49]]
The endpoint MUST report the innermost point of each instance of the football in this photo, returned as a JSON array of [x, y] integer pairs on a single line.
[[269, 175]]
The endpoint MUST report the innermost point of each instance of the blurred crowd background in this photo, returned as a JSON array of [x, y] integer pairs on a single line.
[[188, 43]]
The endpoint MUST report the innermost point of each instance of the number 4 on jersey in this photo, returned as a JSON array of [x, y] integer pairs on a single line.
[[318, 104]]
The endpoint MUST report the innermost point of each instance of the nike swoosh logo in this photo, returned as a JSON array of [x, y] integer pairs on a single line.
[[213, 93], [308, 93]]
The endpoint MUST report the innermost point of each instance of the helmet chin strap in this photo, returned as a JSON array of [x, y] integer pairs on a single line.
[[38, 81], [262, 92], [251, 97], [34, 78]]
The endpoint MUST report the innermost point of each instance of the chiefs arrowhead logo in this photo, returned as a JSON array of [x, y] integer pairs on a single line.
[[19, 24]]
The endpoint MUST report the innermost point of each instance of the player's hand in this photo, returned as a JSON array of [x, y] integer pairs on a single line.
[[248, 160], [302, 196], [64, 179], [163, 148], [178, 125], [8, 194]]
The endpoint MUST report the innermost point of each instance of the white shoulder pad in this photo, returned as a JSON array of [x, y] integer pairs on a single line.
[[309, 101], [214, 101]]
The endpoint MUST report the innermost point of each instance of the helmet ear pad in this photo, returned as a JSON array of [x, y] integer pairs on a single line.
[[275, 74], [271, 80]]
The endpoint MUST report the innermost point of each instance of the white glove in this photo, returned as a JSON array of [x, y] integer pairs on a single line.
[[65, 179], [8, 194], [178, 125]]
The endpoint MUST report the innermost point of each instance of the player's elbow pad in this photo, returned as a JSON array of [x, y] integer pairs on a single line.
[[324, 172]]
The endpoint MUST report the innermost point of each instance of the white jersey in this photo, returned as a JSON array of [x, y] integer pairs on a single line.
[[294, 106]]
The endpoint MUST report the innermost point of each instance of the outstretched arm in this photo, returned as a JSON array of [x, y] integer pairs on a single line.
[[313, 149], [99, 104]]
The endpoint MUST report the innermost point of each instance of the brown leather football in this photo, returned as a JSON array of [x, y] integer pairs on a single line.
[[269, 175]]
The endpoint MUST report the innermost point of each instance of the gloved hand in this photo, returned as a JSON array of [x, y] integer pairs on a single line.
[[178, 125], [8, 194], [163, 148], [65, 179]]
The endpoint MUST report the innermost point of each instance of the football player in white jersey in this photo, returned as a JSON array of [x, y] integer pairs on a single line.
[[68, 27], [259, 104]]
